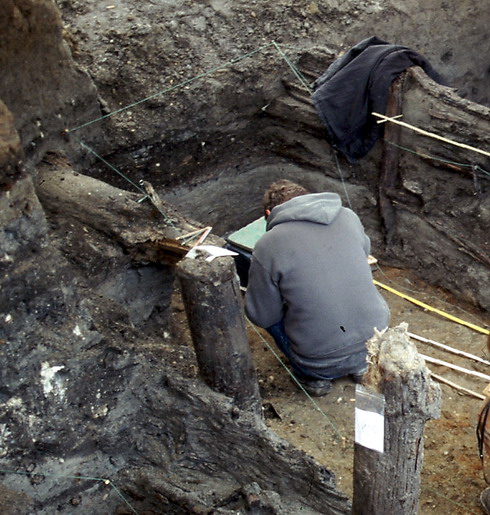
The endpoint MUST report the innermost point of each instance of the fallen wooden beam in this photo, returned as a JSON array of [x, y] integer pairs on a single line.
[[148, 231]]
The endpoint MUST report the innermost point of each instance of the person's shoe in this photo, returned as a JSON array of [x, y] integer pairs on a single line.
[[358, 376], [485, 500], [315, 387]]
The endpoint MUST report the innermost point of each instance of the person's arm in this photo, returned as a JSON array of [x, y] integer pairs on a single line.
[[263, 301], [366, 241], [356, 223]]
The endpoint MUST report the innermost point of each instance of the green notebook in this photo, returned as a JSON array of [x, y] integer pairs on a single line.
[[247, 236]]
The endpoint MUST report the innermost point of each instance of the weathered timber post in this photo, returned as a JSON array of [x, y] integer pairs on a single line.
[[389, 164], [388, 482], [213, 303]]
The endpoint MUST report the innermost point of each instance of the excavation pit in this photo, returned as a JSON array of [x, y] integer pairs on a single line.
[[102, 395]]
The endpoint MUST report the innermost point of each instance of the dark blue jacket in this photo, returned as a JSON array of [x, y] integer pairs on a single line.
[[357, 84]]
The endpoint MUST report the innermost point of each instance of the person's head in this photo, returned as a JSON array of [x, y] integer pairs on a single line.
[[279, 192]]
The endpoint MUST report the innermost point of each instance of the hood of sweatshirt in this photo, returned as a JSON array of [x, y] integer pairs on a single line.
[[320, 208]]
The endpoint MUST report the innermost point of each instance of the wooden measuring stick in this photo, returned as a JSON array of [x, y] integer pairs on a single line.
[[430, 134], [449, 349], [455, 367], [457, 386]]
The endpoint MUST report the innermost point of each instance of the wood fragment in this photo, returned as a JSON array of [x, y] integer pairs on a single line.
[[213, 304], [156, 200], [389, 177]]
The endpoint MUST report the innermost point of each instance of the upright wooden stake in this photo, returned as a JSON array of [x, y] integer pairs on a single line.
[[389, 164], [212, 299], [388, 482]]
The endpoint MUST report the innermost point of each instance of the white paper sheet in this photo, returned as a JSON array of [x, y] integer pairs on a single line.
[[212, 250], [369, 429]]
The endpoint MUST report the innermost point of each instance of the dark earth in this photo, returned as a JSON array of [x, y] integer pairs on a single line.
[[102, 406]]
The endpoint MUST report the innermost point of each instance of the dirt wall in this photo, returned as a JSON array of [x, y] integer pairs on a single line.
[[41, 85]]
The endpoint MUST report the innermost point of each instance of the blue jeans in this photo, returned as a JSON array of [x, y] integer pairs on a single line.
[[350, 366], [278, 332]]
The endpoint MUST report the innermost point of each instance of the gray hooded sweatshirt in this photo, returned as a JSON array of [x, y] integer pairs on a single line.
[[310, 269]]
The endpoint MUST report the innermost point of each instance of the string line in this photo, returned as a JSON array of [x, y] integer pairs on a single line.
[[440, 159], [172, 88], [337, 432], [113, 168]]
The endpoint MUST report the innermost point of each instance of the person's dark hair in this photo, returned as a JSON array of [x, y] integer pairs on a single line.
[[281, 191]]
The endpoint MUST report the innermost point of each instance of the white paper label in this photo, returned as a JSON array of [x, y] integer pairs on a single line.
[[370, 429]]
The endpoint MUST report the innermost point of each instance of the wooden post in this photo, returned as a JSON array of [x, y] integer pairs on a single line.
[[388, 482], [213, 303], [389, 164]]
